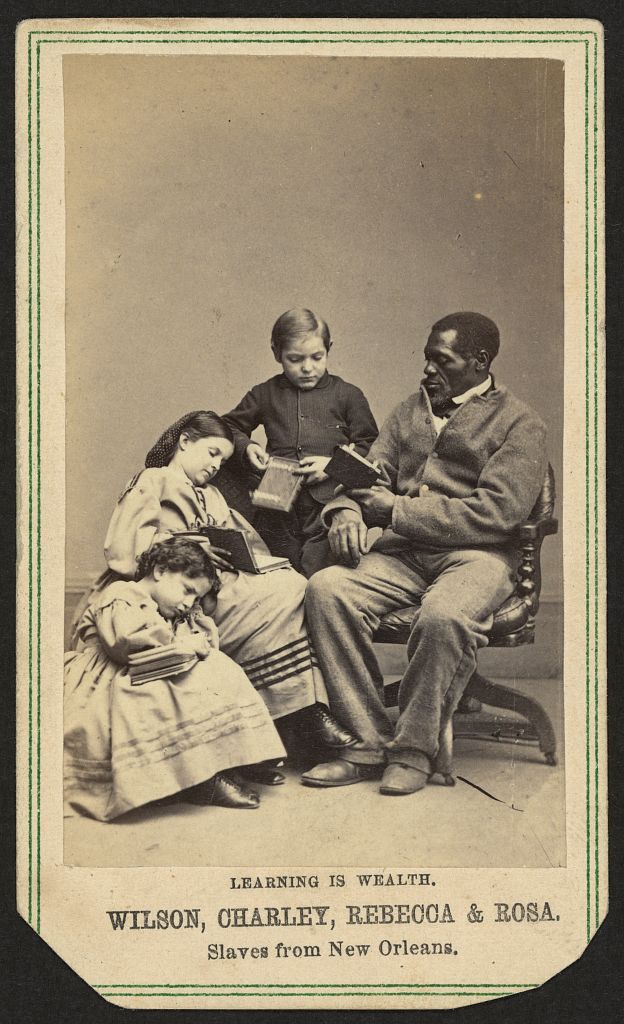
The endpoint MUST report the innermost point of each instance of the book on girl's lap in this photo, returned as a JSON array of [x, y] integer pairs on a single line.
[[279, 487], [159, 663], [350, 469], [242, 554]]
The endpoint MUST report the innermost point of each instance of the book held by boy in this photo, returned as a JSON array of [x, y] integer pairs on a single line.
[[279, 487]]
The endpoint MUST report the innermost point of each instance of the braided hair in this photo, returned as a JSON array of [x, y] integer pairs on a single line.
[[196, 424]]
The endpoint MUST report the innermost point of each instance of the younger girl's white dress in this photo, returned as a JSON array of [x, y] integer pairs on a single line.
[[126, 744]]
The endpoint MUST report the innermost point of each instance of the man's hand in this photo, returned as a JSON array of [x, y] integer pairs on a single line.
[[376, 503], [347, 536], [257, 456], [313, 469]]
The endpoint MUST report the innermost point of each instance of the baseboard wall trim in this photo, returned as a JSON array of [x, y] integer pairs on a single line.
[[78, 585]]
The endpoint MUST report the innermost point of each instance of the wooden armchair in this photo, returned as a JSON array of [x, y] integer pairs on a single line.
[[514, 622], [514, 625]]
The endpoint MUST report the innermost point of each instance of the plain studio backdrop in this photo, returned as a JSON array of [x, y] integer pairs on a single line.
[[208, 194]]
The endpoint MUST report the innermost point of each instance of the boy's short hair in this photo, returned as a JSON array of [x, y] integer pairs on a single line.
[[296, 324]]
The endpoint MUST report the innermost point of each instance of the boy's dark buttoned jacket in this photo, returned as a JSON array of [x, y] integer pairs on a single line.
[[299, 423]]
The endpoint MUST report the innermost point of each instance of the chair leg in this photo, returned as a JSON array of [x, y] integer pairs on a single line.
[[503, 697]]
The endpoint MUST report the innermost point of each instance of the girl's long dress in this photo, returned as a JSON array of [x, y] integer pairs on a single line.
[[127, 744], [260, 618]]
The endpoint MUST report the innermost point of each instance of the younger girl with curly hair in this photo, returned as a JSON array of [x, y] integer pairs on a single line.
[[129, 742]]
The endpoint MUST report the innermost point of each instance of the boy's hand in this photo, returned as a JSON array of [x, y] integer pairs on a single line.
[[208, 626], [348, 536], [313, 469], [376, 503], [257, 456]]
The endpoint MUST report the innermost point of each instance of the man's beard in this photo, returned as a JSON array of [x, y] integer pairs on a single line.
[[439, 397]]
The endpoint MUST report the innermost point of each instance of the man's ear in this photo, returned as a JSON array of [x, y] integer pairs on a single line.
[[482, 360]]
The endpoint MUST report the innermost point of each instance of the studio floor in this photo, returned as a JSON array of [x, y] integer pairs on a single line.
[[515, 818]]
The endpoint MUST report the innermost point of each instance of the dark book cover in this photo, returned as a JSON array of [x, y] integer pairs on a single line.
[[236, 542], [232, 540], [348, 468]]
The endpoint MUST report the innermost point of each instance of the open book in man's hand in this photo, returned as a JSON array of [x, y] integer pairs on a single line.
[[350, 469]]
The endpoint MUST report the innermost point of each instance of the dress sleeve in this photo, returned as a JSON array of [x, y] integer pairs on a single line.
[[134, 526], [125, 628], [223, 515]]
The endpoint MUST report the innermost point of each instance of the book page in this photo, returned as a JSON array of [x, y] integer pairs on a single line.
[[181, 183]]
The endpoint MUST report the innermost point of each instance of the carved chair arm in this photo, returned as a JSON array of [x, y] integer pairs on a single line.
[[528, 538], [535, 531]]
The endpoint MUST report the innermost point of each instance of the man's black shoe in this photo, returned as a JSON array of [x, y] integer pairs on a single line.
[[340, 773]]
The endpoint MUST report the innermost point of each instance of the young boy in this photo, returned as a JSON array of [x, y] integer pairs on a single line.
[[306, 412]]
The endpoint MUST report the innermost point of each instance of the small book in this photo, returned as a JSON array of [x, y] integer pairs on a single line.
[[279, 487], [350, 469], [242, 554], [159, 663]]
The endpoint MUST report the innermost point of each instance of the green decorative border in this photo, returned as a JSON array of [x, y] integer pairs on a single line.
[[589, 40]]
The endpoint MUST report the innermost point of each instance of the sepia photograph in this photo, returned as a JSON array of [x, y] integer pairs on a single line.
[[311, 662], [281, 257]]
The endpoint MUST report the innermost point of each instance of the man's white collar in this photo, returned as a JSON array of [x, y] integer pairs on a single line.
[[479, 389]]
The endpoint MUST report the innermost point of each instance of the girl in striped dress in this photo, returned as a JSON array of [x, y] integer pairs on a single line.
[[260, 618]]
